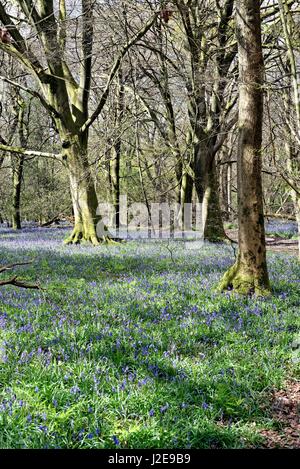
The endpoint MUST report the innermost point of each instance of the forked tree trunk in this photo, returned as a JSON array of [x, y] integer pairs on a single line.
[[249, 274]]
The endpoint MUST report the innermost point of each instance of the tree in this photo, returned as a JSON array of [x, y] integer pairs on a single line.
[[249, 274], [292, 150], [208, 34], [66, 98]]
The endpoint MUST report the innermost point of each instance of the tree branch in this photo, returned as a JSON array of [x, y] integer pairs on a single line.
[[114, 71], [23, 151], [34, 93], [19, 47]]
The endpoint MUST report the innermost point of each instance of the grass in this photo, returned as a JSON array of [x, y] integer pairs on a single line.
[[130, 347]]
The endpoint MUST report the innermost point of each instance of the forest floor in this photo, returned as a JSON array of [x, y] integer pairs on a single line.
[[275, 243], [130, 346]]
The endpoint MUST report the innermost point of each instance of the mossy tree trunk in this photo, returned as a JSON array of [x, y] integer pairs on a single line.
[[88, 225], [249, 274]]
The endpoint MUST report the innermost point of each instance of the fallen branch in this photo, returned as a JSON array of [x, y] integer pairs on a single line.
[[18, 283], [55, 219], [14, 280], [11, 266]]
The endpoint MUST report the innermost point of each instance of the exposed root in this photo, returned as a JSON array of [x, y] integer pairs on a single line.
[[78, 237]]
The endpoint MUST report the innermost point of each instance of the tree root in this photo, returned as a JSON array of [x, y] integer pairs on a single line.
[[78, 237], [240, 281]]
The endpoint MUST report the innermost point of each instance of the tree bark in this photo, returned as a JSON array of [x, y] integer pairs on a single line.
[[249, 274], [18, 163], [65, 98], [186, 198], [212, 216], [115, 165], [88, 225], [17, 187]]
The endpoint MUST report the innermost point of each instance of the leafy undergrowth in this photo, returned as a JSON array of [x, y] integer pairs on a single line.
[[129, 346]]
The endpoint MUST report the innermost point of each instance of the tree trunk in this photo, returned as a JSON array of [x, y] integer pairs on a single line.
[[293, 168], [18, 163], [115, 182], [224, 191], [212, 217], [116, 160], [249, 274], [88, 225], [17, 185], [186, 198], [207, 189]]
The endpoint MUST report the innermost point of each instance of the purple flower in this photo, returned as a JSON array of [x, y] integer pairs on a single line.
[[75, 390], [152, 412], [116, 441], [164, 408]]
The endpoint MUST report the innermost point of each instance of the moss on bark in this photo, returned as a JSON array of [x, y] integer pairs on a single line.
[[245, 281]]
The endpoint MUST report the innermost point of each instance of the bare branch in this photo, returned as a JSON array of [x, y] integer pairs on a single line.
[[23, 151], [114, 71], [34, 93]]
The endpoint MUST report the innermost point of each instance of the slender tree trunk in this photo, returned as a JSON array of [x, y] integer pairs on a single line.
[[115, 181], [17, 187], [116, 160], [224, 191], [249, 274], [292, 167], [293, 164], [186, 198], [18, 164], [296, 199]]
